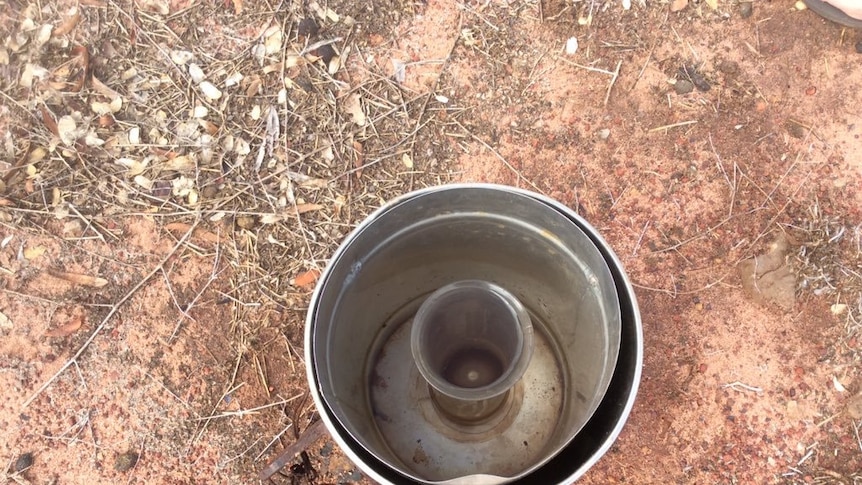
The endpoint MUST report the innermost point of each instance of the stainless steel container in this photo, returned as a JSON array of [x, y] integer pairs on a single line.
[[577, 390]]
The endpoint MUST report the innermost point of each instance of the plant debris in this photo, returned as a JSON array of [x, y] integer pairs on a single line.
[[5, 322], [180, 228], [73, 325], [79, 279], [691, 73], [307, 278]]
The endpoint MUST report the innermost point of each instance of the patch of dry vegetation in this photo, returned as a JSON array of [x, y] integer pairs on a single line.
[[257, 135]]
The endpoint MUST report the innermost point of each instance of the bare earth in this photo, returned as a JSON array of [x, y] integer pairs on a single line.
[[183, 280]]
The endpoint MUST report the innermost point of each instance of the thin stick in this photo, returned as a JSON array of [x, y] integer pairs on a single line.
[[267, 447], [806, 457], [225, 462], [308, 437], [501, 158], [170, 391], [613, 81], [286, 147], [243, 412], [732, 185], [320, 44], [856, 431], [681, 41], [532, 77], [173, 296], [229, 390], [114, 309], [827, 420], [89, 224], [292, 350], [675, 293], [675, 125], [643, 68], [184, 313], [588, 68], [708, 230], [640, 239], [736, 385], [784, 207]]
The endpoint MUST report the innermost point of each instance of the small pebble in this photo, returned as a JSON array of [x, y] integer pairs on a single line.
[[308, 27], [326, 450], [859, 47], [571, 46], [745, 9], [210, 191], [181, 57], [23, 462], [354, 476], [200, 112], [728, 67], [126, 461], [683, 86], [700, 82], [795, 129], [161, 188], [691, 73], [325, 52]]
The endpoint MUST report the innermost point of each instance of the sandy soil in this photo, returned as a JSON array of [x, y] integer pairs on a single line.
[[186, 385]]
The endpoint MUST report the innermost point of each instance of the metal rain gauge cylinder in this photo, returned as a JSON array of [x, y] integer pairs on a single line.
[[474, 334]]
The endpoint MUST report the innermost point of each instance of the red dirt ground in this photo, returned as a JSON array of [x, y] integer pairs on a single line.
[[733, 391]]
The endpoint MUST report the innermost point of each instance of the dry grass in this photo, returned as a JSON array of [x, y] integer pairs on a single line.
[[282, 194], [266, 179], [829, 262]]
